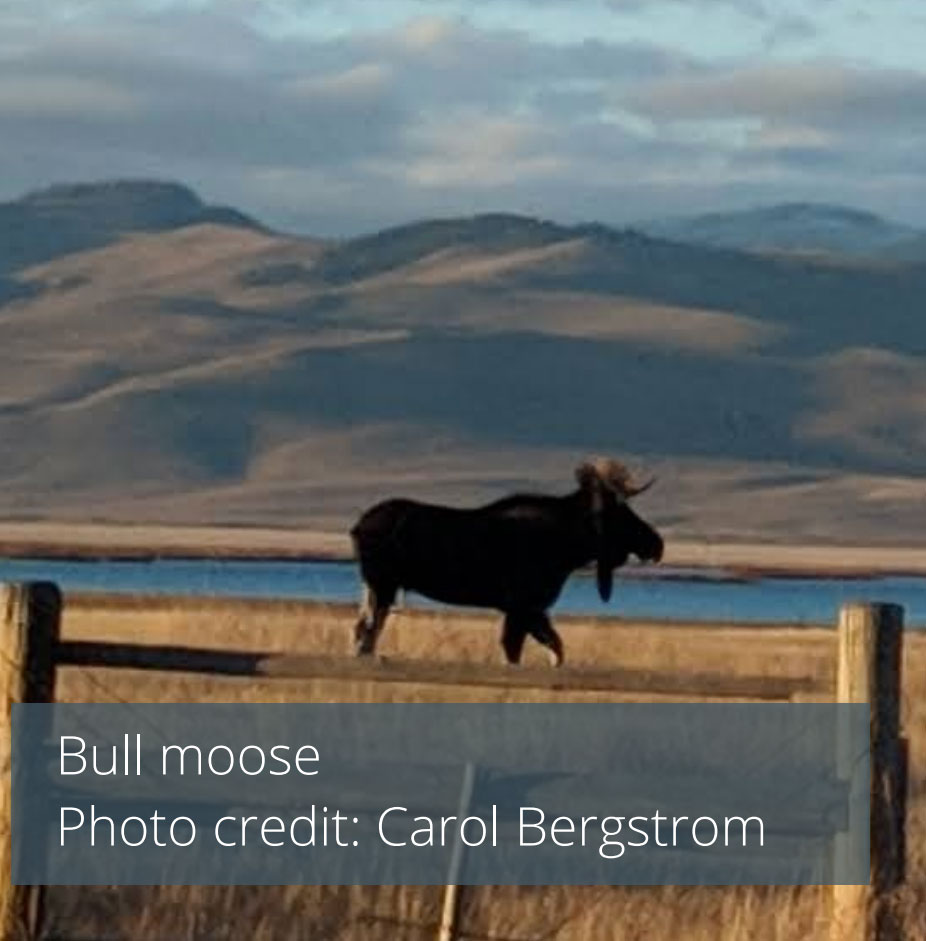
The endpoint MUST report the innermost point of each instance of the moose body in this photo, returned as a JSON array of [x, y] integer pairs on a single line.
[[507, 553], [513, 555]]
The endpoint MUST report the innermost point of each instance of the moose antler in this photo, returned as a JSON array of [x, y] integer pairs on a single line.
[[614, 475]]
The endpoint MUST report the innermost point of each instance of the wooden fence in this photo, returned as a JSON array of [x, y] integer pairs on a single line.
[[868, 670]]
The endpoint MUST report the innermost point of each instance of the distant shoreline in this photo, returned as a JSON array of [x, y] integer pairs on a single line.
[[716, 561]]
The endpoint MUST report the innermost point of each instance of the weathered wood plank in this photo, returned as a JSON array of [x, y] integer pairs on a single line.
[[280, 666]]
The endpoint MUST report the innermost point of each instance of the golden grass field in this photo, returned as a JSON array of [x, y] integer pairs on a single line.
[[487, 914]]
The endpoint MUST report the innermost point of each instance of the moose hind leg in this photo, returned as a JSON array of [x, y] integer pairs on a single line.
[[373, 613], [514, 633], [542, 630]]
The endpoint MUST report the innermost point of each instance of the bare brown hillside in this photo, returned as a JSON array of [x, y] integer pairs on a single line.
[[216, 373]]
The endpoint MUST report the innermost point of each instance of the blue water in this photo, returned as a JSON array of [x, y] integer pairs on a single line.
[[771, 599]]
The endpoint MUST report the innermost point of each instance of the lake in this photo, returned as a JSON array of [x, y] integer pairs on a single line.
[[639, 594]]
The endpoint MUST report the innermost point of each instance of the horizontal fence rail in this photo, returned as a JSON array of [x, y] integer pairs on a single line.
[[305, 667]]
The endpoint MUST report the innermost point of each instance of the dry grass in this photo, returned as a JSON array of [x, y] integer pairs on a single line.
[[490, 913]]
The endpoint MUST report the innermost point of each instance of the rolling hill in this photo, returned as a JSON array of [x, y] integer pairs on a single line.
[[170, 362]]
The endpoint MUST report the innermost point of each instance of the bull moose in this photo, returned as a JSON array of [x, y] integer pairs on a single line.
[[513, 555]]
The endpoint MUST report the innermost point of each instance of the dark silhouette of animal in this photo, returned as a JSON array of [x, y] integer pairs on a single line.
[[513, 555]]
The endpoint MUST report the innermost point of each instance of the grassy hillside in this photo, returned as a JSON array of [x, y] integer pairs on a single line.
[[206, 370]]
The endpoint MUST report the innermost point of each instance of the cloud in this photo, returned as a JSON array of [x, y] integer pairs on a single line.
[[479, 150], [245, 103], [61, 96], [205, 88], [339, 131], [827, 92], [820, 123], [788, 30]]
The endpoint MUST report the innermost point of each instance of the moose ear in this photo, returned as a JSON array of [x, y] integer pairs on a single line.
[[590, 480], [586, 475]]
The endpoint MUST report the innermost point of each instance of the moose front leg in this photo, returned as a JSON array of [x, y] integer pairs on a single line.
[[364, 623], [541, 629]]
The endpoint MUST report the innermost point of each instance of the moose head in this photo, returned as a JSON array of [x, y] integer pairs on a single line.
[[607, 487]]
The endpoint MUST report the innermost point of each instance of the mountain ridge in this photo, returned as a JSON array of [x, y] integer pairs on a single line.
[[121, 206], [225, 373], [68, 217], [796, 227]]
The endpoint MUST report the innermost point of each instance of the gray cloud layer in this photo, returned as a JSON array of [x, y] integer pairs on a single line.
[[439, 116]]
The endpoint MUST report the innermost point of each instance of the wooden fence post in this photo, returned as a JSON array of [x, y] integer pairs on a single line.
[[869, 666], [29, 628]]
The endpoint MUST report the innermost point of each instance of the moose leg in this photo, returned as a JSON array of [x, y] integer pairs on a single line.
[[514, 633], [541, 629], [373, 613]]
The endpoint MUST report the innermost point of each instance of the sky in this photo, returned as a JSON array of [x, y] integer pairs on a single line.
[[334, 117]]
